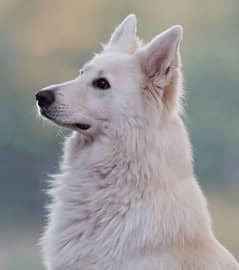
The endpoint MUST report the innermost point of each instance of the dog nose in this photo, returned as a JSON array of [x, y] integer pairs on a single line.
[[45, 98]]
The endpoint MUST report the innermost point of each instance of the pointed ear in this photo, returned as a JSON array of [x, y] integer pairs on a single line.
[[161, 53], [124, 36], [160, 60]]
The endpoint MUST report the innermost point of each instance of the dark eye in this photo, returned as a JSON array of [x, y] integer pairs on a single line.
[[101, 83]]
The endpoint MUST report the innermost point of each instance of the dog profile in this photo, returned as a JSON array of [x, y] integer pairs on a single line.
[[126, 196]]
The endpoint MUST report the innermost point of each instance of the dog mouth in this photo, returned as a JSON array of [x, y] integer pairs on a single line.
[[82, 126], [44, 112]]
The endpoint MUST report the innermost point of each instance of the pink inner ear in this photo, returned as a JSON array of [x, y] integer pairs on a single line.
[[161, 51], [167, 70], [159, 60], [154, 64]]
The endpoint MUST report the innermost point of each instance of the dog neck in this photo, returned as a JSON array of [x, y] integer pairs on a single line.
[[158, 152], [105, 188]]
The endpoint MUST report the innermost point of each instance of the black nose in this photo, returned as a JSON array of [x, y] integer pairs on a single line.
[[45, 98]]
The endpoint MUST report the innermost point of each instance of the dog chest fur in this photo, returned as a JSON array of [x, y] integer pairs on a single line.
[[107, 207]]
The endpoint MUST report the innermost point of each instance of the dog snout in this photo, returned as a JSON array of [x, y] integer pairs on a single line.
[[45, 98]]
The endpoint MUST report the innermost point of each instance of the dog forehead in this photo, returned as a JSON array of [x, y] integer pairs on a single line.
[[111, 62]]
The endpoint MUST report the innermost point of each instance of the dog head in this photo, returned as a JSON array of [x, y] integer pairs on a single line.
[[124, 86]]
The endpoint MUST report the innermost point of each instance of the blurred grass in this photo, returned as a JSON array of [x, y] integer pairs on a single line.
[[223, 205], [19, 249]]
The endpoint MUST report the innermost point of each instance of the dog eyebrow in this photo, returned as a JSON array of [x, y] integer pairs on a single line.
[[100, 73]]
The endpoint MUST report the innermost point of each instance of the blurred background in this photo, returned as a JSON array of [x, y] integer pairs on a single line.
[[45, 42]]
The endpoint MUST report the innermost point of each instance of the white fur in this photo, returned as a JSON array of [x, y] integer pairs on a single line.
[[126, 196]]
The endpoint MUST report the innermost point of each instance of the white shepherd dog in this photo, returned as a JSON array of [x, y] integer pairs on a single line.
[[126, 197]]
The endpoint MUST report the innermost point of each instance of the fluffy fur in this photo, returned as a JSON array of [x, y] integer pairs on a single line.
[[126, 196]]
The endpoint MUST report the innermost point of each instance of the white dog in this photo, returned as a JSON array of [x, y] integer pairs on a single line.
[[126, 196]]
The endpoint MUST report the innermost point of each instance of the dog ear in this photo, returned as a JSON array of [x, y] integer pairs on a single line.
[[161, 52], [124, 36], [160, 60]]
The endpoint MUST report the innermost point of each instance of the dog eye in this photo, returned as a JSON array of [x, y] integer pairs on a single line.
[[101, 83], [81, 71]]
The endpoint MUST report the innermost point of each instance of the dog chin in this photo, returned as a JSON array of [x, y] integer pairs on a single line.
[[82, 127]]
